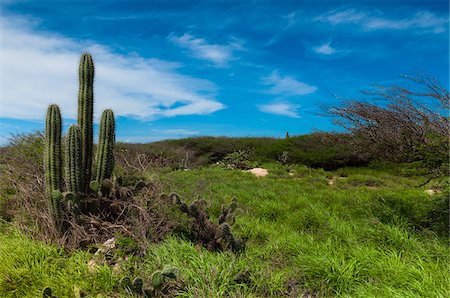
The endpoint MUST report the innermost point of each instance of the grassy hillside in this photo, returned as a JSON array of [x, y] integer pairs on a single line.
[[349, 232], [318, 150]]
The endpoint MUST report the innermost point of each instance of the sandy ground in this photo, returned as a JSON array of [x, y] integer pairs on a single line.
[[258, 172]]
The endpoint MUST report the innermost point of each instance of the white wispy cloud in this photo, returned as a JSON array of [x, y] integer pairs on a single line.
[[286, 85], [422, 21], [291, 18], [38, 68], [325, 49], [155, 134], [288, 21], [280, 108], [348, 16], [283, 87], [218, 54]]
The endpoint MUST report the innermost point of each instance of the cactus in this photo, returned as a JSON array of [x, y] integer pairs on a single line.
[[78, 153], [125, 282], [52, 160], [47, 293], [94, 186], [71, 201], [175, 198], [169, 271], [157, 279], [105, 149], [55, 206], [227, 213], [85, 115], [73, 166], [138, 283], [107, 187], [140, 185]]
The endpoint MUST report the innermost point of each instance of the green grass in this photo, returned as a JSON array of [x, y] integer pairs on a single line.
[[27, 267], [358, 237]]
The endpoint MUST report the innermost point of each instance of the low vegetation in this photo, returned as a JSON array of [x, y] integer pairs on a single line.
[[185, 218], [345, 232]]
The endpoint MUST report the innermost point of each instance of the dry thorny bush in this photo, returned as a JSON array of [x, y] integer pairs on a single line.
[[399, 122], [143, 216], [139, 158]]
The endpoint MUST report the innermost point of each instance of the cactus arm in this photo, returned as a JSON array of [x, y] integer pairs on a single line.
[[85, 115], [105, 149], [73, 165], [53, 161]]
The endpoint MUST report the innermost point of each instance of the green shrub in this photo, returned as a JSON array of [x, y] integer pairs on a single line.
[[437, 217], [237, 160], [317, 150]]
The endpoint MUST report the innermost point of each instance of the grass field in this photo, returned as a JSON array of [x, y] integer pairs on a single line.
[[353, 232]]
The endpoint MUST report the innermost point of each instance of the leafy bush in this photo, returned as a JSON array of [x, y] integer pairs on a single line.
[[437, 217], [237, 160]]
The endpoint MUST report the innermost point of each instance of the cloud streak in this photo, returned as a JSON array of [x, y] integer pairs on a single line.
[[151, 135], [199, 48], [325, 49], [280, 108], [286, 85], [39, 68], [422, 21]]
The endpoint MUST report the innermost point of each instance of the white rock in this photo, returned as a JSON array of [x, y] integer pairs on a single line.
[[259, 172]]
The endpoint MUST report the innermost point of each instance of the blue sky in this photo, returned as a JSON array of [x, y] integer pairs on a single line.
[[172, 69]]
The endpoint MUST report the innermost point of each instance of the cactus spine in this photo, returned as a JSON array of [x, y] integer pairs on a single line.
[[53, 160], [73, 166], [85, 115], [105, 149]]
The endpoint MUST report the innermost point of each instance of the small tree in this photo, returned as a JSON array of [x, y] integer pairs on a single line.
[[401, 122]]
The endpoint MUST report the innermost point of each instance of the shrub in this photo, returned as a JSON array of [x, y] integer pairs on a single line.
[[237, 160], [317, 150], [437, 217], [401, 123]]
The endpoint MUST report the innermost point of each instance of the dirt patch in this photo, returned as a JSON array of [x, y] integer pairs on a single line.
[[433, 191], [259, 172]]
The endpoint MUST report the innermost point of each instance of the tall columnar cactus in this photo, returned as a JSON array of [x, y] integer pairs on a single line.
[[53, 159], [85, 115], [105, 149], [73, 167], [79, 145]]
